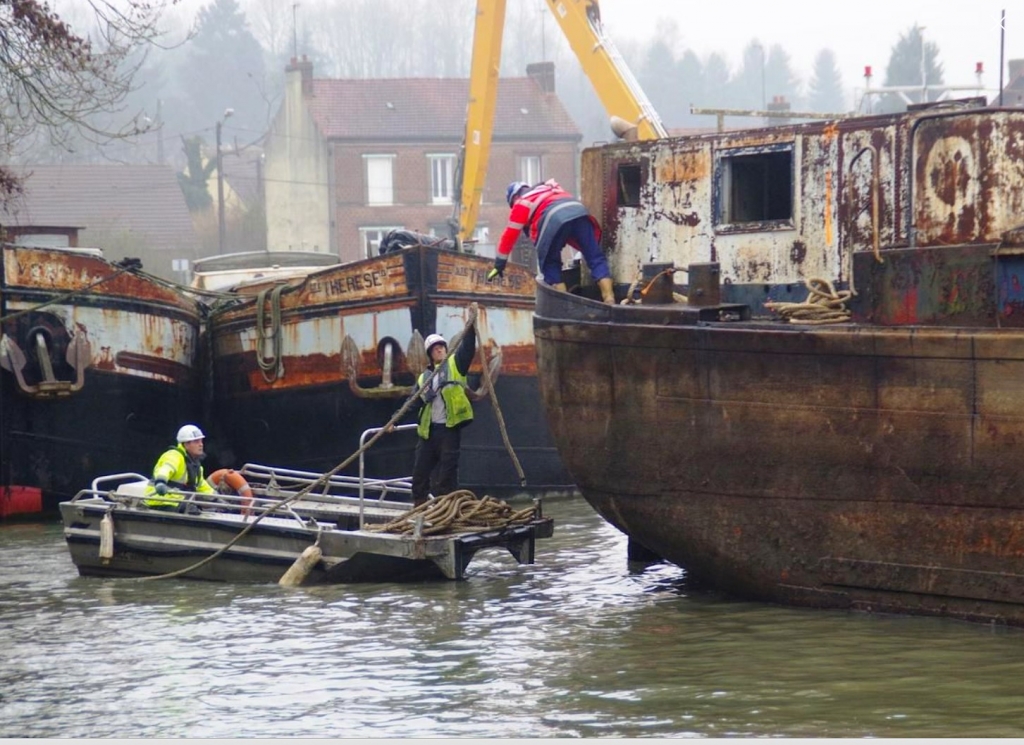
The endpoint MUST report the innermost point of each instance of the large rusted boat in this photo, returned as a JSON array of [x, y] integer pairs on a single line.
[[99, 365], [303, 366], [819, 397]]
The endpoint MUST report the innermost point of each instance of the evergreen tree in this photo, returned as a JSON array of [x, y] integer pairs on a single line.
[[750, 89], [825, 93], [658, 80], [224, 69], [716, 81], [781, 81], [912, 63], [690, 73]]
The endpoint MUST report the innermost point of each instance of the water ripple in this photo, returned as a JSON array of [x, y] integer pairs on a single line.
[[581, 644]]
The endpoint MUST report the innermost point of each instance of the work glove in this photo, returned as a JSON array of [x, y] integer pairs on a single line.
[[498, 270], [161, 487], [473, 310]]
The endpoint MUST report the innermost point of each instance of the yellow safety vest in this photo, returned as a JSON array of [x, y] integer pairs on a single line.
[[457, 407], [171, 467]]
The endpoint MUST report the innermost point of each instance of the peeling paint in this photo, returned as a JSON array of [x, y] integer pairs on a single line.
[[966, 186]]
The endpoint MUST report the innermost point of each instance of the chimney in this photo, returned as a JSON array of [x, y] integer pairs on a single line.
[[305, 67], [778, 103], [543, 74], [1016, 69]]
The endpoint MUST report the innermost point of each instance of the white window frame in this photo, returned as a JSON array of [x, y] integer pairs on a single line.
[[380, 179], [442, 177], [530, 169], [372, 235]]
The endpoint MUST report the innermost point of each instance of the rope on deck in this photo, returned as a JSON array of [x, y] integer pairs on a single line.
[[460, 511], [823, 305]]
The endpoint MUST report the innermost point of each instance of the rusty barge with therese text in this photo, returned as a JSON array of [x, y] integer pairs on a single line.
[[871, 463], [301, 368]]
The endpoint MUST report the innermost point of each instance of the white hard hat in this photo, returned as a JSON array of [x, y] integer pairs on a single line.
[[432, 340], [190, 432]]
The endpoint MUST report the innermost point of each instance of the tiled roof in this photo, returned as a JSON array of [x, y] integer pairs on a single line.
[[144, 200], [433, 109]]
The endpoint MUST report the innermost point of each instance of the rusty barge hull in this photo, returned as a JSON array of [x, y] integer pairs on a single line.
[[842, 466], [90, 381], [868, 464], [343, 356]]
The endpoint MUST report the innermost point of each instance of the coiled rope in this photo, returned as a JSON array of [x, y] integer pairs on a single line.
[[458, 512], [270, 364], [823, 305]]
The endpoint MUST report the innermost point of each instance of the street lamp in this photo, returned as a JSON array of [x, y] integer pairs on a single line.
[[220, 184]]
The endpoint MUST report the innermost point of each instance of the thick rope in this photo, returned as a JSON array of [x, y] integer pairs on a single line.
[[497, 411], [270, 365], [458, 512], [823, 305]]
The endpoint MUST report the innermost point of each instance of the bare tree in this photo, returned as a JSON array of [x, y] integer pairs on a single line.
[[59, 83]]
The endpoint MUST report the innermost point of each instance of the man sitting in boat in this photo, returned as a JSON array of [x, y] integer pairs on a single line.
[[180, 467], [553, 218]]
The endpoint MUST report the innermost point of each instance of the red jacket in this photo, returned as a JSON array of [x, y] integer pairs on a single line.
[[528, 212]]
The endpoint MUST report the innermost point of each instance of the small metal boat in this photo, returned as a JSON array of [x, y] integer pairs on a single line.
[[361, 528]]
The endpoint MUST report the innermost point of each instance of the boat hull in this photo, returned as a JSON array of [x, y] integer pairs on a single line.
[[218, 541], [94, 381], [832, 466]]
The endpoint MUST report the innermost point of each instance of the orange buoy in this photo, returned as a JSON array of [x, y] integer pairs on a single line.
[[227, 480]]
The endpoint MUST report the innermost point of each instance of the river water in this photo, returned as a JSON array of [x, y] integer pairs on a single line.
[[580, 644]]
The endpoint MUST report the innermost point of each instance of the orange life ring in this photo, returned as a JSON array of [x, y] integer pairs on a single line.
[[236, 482]]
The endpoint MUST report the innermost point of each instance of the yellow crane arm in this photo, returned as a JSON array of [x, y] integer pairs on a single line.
[[614, 84], [621, 95], [483, 97]]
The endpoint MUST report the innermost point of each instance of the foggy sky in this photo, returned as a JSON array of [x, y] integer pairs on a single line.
[[860, 34]]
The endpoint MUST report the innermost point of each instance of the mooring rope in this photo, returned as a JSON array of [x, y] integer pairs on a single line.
[[461, 511], [497, 410], [270, 364], [823, 305]]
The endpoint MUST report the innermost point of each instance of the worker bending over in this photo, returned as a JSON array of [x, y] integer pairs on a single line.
[[553, 218]]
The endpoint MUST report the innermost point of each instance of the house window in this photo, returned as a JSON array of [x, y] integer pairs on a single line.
[[371, 238], [379, 182], [529, 169], [441, 182], [753, 187]]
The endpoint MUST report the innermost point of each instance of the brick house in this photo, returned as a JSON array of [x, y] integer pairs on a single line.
[[349, 160]]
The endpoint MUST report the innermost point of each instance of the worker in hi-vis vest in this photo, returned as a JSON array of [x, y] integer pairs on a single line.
[[179, 468]]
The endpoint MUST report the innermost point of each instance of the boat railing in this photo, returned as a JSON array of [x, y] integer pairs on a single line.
[[133, 490], [128, 476], [338, 485]]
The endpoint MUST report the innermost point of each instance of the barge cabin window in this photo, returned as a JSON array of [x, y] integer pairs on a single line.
[[755, 186], [627, 185]]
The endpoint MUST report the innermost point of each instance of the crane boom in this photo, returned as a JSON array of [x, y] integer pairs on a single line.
[[620, 93]]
